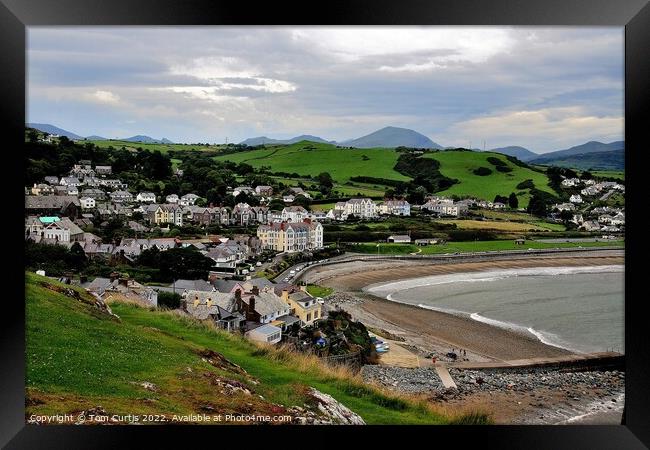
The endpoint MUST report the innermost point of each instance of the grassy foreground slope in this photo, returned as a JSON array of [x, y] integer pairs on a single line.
[[460, 165], [79, 357], [309, 158]]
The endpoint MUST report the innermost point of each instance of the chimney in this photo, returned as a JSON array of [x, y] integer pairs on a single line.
[[114, 276], [255, 290], [238, 294], [251, 308]]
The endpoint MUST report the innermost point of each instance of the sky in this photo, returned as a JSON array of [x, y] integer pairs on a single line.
[[543, 88]]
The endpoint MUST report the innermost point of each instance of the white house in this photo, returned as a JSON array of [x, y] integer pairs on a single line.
[[363, 208], [570, 182], [146, 197], [446, 207], [188, 199], [172, 198], [87, 202], [70, 181], [395, 208], [575, 199], [294, 214], [400, 239], [269, 334], [121, 196]]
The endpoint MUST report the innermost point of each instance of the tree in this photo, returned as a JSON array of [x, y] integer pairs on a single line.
[[76, 258], [325, 181], [537, 206], [501, 199], [169, 300], [303, 201], [513, 201]]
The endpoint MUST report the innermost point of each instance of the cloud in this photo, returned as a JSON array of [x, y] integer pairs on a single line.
[[450, 83], [105, 97], [559, 125]]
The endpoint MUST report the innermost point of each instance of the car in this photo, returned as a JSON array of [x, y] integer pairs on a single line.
[[286, 279], [292, 272]]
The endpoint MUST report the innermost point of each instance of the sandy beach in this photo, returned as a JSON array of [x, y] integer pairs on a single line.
[[427, 330]]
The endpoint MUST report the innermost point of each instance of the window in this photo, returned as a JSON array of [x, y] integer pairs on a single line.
[[308, 317]]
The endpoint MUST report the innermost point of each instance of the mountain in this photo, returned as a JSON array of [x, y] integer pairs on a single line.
[[610, 160], [392, 137], [51, 129], [521, 153], [588, 147], [147, 140], [263, 140], [96, 138]]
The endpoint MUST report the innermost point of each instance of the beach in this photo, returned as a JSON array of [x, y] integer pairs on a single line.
[[422, 333], [427, 330]]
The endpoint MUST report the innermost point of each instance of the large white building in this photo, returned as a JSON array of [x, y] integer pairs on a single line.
[[291, 236], [445, 207], [294, 214], [395, 208], [363, 208]]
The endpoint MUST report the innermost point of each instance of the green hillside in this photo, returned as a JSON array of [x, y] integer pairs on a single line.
[[163, 148], [79, 357], [309, 158], [461, 164]]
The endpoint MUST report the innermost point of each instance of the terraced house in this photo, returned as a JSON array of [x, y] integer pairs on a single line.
[[164, 214], [290, 236]]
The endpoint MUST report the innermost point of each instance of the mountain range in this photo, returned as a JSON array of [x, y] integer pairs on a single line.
[[592, 154], [51, 129]]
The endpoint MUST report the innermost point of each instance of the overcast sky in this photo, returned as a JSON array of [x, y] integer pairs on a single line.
[[544, 88]]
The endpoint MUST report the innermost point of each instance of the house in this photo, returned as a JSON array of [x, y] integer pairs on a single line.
[[296, 191], [188, 199], [578, 219], [294, 214], [163, 214], [269, 334], [498, 205], [575, 199], [135, 226], [288, 198], [590, 191], [146, 197], [54, 230], [243, 190], [87, 202], [112, 183], [97, 194], [121, 196], [103, 287], [565, 207], [242, 214], [291, 237], [42, 189], [227, 256], [103, 170], [64, 205], [570, 182], [66, 190], [445, 207], [263, 191], [425, 241], [70, 181], [399, 239], [590, 225], [395, 208], [302, 305], [520, 241], [172, 198], [50, 179], [363, 208]]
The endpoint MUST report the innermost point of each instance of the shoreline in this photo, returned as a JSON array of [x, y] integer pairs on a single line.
[[418, 333], [424, 330]]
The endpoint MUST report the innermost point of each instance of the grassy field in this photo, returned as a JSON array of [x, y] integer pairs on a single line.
[[319, 291], [78, 357], [460, 165], [308, 158], [163, 148], [503, 225], [609, 173], [474, 246]]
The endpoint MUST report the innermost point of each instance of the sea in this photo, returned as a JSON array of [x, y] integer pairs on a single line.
[[577, 308]]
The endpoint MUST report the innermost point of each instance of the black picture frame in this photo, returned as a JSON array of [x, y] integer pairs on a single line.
[[15, 15]]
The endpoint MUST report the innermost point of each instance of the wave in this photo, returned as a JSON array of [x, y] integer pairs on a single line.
[[386, 289], [593, 408]]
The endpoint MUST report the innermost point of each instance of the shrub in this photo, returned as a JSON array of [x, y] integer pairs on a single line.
[[482, 171], [526, 184], [169, 300]]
